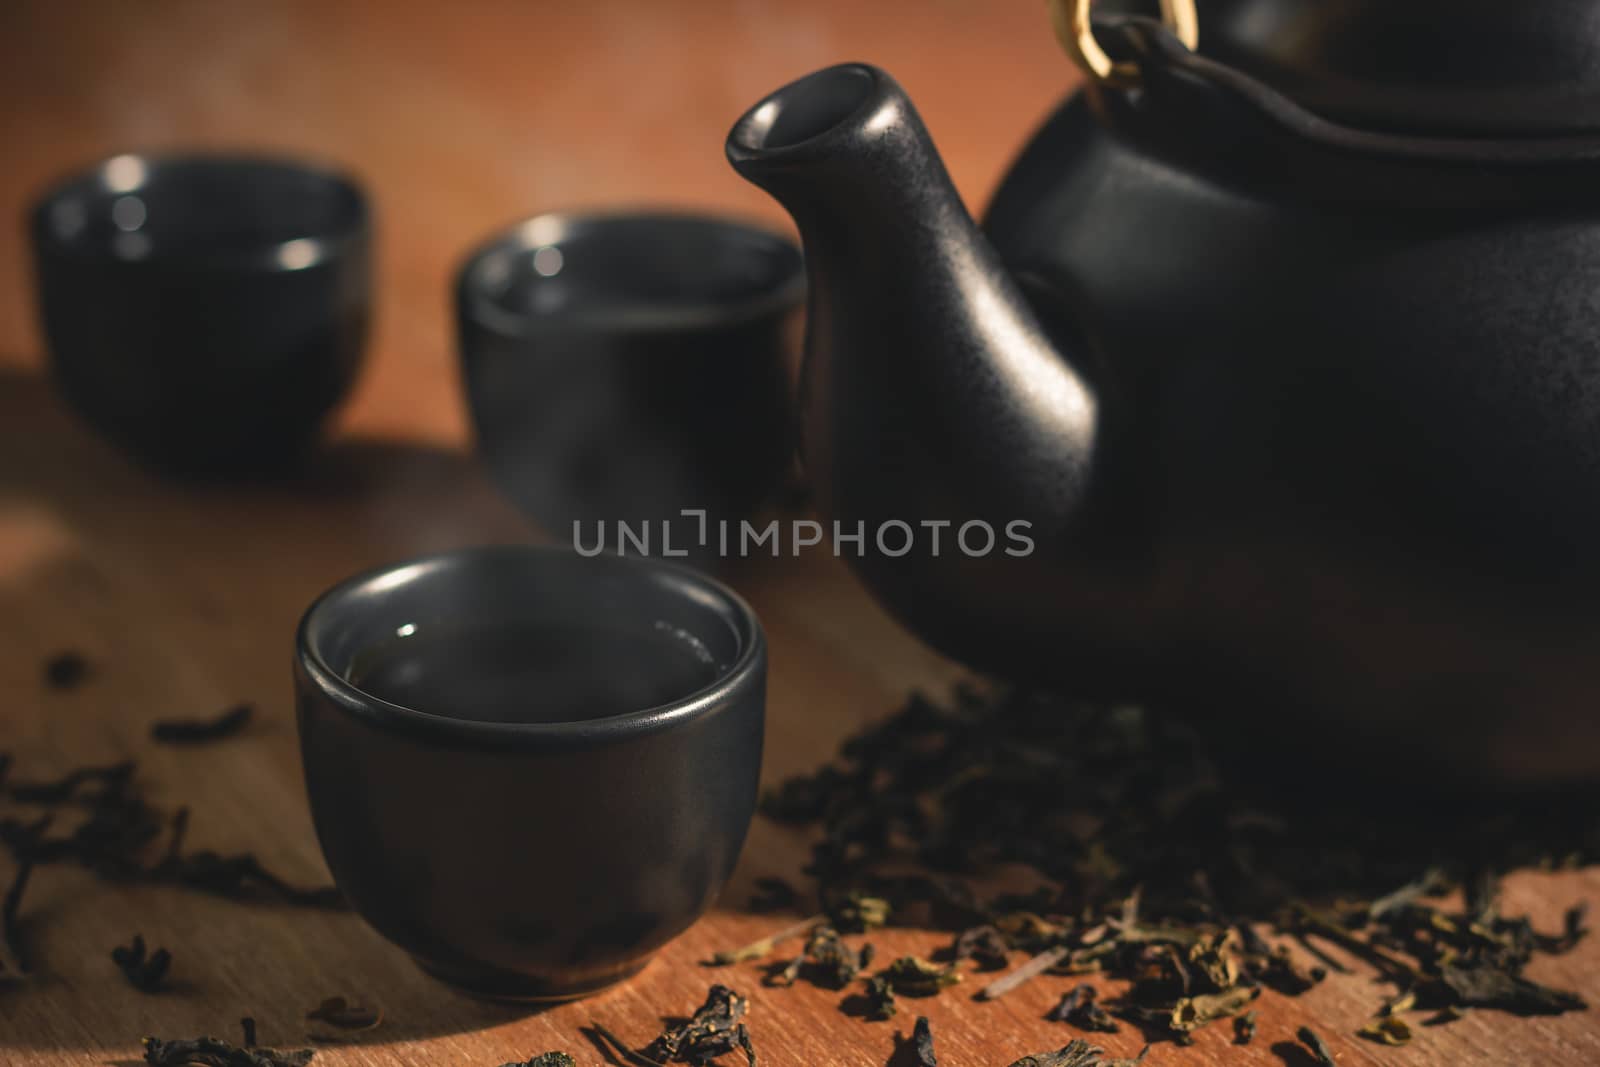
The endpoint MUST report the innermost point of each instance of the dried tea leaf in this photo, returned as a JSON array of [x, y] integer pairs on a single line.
[[248, 1026], [1191, 1013], [1387, 1030], [715, 1029], [916, 1051], [109, 777], [1028, 931], [199, 731], [13, 963], [1318, 1049], [1403, 1002], [828, 961], [1574, 927], [545, 1059], [1041, 963], [857, 912], [1278, 970], [1078, 1054], [65, 670], [760, 949], [1432, 883], [1081, 1009], [880, 998], [344, 1015], [913, 976], [144, 972], [984, 945], [214, 1052], [1484, 986], [1244, 1028]]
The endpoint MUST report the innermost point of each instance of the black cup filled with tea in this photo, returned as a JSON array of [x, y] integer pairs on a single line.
[[529, 768], [205, 312], [628, 373]]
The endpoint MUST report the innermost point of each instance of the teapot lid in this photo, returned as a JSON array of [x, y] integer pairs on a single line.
[[1461, 67]]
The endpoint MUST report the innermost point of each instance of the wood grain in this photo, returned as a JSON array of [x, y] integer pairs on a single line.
[[461, 117]]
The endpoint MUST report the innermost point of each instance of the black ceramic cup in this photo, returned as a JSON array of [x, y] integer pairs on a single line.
[[624, 368], [204, 312], [547, 853]]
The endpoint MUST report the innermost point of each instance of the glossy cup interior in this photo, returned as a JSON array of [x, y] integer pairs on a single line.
[[444, 832], [515, 587], [640, 272], [204, 312], [623, 367], [217, 211]]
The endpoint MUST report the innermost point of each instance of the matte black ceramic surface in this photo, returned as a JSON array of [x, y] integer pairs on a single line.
[[624, 367], [530, 859], [204, 312], [1304, 418], [1466, 65]]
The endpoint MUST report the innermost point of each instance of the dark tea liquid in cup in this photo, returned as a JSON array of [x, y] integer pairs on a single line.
[[536, 671]]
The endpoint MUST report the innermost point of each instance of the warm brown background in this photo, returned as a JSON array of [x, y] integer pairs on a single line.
[[463, 116], [459, 117]]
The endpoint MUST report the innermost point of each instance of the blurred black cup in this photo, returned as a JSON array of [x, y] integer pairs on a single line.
[[625, 368], [205, 312]]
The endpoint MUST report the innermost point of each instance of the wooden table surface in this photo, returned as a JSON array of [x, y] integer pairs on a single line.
[[461, 117]]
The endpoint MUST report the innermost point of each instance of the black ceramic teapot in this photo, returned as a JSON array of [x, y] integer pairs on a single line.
[[1281, 347]]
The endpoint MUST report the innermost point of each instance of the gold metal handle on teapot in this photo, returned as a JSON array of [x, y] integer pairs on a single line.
[[1072, 25]]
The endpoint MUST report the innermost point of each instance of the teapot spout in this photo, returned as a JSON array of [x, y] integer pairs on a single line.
[[932, 391]]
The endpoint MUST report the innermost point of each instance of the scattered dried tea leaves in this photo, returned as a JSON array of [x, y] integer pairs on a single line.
[[111, 778], [913, 976], [1161, 874], [545, 1059], [1080, 1008], [715, 1029], [145, 971], [118, 834], [1320, 1053], [66, 670], [345, 1015], [215, 1052], [199, 731]]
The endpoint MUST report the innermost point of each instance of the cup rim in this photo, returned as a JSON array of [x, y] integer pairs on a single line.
[[285, 256], [547, 228], [374, 709]]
